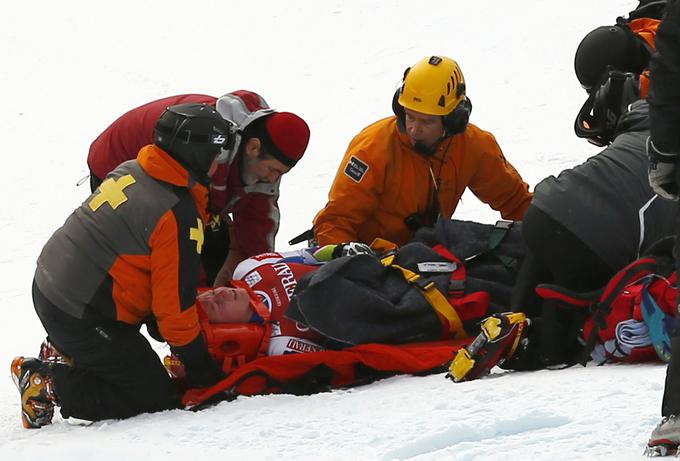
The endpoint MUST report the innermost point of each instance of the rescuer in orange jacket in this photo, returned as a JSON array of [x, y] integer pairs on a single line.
[[129, 253], [405, 171]]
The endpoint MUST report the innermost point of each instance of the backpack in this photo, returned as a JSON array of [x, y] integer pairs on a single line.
[[630, 319]]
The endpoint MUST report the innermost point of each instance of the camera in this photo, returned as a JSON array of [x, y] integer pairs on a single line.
[[415, 221]]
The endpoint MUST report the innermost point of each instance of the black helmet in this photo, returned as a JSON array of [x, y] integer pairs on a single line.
[[609, 46], [597, 119], [193, 134]]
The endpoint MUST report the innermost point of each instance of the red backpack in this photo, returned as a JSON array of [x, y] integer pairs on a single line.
[[644, 291]]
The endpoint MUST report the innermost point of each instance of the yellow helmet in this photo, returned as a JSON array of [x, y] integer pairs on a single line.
[[433, 86]]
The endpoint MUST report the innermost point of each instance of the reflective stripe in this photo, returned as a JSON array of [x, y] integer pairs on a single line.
[[641, 218]]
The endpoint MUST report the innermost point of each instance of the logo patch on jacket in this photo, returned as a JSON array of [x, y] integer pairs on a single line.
[[356, 169]]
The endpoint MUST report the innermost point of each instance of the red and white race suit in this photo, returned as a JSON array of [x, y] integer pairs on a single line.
[[274, 276]]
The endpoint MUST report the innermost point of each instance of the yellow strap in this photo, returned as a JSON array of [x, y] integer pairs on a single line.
[[382, 246], [434, 297], [387, 260]]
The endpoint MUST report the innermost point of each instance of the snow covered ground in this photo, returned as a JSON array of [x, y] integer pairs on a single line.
[[70, 68]]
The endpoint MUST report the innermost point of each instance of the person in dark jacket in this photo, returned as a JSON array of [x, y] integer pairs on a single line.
[[244, 190], [588, 222], [663, 149], [129, 253], [625, 46]]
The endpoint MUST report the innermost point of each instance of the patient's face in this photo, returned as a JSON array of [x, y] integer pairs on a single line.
[[226, 305], [233, 298]]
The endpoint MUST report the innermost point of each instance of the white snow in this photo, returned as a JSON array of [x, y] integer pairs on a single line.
[[68, 69]]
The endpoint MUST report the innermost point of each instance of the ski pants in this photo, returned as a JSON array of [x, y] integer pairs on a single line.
[[116, 374], [555, 255]]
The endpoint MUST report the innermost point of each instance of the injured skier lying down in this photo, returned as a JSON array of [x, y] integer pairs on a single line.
[[336, 296]]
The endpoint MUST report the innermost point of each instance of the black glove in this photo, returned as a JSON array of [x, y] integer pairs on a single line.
[[662, 171], [152, 328], [201, 370], [351, 249]]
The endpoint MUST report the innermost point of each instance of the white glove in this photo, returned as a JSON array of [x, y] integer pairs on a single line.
[[662, 172], [352, 249]]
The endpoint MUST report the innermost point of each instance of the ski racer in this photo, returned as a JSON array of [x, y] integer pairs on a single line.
[[272, 278], [130, 252], [389, 314], [245, 188], [277, 280], [583, 226], [334, 296], [663, 149], [403, 172]]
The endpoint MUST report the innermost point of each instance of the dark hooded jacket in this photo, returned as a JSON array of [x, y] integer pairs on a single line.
[[607, 201]]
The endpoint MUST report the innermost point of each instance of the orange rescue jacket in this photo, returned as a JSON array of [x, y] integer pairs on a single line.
[[382, 180], [132, 249]]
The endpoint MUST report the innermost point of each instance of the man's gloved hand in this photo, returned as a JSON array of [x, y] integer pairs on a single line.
[[331, 251], [201, 369], [152, 329], [662, 172], [352, 249]]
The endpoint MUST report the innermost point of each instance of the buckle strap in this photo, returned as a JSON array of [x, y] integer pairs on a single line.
[[496, 236], [458, 275], [498, 233], [433, 296]]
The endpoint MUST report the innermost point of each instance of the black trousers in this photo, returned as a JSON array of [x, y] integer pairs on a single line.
[[671, 392], [556, 256], [116, 373]]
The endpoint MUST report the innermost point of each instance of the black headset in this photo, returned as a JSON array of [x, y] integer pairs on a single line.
[[454, 122]]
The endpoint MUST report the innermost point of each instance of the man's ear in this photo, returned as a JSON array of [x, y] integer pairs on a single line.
[[253, 147]]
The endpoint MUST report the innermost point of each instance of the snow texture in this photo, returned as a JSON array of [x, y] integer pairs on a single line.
[[70, 68]]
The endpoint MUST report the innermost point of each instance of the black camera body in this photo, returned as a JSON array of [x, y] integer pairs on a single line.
[[416, 221]]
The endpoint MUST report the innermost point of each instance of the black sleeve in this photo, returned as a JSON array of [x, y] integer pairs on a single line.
[[664, 98], [201, 369]]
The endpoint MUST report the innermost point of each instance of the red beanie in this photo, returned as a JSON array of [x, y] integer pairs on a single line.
[[288, 136]]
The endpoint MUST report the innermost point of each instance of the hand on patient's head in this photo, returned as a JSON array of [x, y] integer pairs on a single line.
[[226, 305]]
